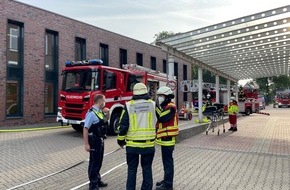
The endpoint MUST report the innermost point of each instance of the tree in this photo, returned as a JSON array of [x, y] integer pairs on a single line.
[[269, 86], [163, 34]]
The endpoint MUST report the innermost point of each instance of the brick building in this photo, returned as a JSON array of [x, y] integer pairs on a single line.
[[34, 45]]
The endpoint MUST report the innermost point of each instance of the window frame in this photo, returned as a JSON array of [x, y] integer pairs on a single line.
[[10, 39]]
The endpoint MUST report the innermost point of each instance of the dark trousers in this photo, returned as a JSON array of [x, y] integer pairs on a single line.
[[96, 160], [168, 165], [147, 155]]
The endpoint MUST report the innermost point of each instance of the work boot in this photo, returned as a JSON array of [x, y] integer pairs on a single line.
[[158, 183], [163, 187], [102, 184]]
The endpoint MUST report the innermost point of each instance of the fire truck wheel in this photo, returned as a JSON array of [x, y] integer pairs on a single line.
[[77, 127], [248, 111], [189, 117], [114, 121]]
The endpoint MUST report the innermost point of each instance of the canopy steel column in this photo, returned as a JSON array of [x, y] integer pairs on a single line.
[[200, 95], [171, 68], [237, 91], [217, 84], [228, 91]]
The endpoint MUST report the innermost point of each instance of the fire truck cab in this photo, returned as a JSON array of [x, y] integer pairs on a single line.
[[282, 99], [82, 80]]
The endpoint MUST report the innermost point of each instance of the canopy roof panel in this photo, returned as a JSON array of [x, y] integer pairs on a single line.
[[253, 46]]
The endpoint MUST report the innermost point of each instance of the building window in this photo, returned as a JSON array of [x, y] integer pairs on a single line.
[[139, 59], [14, 84], [164, 70], [12, 98], [104, 53], [153, 63], [80, 49], [123, 57], [50, 50], [13, 38], [51, 72], [49, 98], [184, 72]]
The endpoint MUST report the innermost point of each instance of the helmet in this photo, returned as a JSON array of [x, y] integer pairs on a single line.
[[164, 90], [139, 89]]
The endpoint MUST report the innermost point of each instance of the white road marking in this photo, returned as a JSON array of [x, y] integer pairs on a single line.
[[109, 171]]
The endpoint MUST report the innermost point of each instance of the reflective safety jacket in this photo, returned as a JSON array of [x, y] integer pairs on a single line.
[[98, 129], [233, 109], [167, 125], [142, 121]]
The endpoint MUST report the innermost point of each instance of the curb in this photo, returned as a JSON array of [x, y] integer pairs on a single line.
[[190, 131], [31, 129]]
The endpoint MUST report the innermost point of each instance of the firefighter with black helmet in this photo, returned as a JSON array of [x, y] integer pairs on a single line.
[[137, 132], [167, 130]]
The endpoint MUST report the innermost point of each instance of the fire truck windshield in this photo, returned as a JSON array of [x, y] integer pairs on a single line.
[[80, 80]]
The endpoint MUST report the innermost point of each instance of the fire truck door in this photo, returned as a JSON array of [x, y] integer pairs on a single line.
[[111, 86], [153, 87]]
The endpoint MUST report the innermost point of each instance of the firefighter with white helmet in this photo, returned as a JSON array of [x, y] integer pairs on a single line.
[[167, 130], [137, 131]]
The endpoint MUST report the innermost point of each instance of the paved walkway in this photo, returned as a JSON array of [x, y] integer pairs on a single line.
[[256, 157]]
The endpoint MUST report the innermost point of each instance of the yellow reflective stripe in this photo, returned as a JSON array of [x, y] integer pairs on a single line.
[[122, 114], [167, 134], [166, 143], [164, 113], [99, 114], [121, 137], [168, 128], [175, 121], [149, 120], [134, 126], [140, 144], [158, 111]]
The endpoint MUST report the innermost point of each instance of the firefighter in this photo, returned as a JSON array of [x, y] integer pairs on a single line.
[[167, 130], [137, 132], [94, 133], [208, 100], [241, 94], [233, 111]]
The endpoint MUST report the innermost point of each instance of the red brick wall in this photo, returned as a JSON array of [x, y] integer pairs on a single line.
[[36, 21]]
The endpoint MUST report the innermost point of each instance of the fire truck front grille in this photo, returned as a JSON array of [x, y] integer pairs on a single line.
[[73, 111], [74, 105], [73, 118]]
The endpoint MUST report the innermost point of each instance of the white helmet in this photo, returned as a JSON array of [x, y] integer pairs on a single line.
[[164, 90], [139, 89]]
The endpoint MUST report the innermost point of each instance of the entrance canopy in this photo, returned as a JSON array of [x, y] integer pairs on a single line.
[[253, 46]]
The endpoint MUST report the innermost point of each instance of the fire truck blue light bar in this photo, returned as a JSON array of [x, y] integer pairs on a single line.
[[85, 62]]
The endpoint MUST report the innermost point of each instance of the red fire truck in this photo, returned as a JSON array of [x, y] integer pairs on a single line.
[[248, 98], [282, 99], [247, 105], [82, 80]]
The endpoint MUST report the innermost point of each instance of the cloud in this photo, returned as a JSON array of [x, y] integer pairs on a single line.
[[149, 17]]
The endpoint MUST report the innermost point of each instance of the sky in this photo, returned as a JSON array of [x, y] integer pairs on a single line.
[[142, 19]]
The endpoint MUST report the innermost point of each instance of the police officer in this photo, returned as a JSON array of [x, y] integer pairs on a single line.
[[94, 133], [167, 130], [137, 132]]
